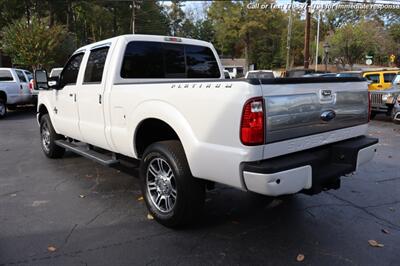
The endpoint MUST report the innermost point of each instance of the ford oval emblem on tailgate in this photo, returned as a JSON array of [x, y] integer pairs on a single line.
[[328, 115]]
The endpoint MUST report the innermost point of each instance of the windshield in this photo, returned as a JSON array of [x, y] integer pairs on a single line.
[[261, 75], [349, 75], [55, 72]]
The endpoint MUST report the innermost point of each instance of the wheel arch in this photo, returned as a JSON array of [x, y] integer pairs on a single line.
[[152, 130], [161, 115], [41, 110], [3, 95]]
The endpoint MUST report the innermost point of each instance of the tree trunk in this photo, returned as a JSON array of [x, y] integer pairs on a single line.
[[51, 13], [27, 12]]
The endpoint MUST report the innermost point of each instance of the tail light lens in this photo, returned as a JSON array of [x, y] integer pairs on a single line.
[[31, 84], [369, 106], [252, 124]]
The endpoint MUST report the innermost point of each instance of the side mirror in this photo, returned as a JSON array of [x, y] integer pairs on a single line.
[[54, 83], [40, 80]]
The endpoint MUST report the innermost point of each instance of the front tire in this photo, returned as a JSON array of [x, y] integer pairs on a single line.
[[48, 136], [393, 114], [172, 195], [3, 108], [372, 115]]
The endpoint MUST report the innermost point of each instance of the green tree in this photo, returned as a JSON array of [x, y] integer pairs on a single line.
[[151, 19], [254, 34], [350, 43], [36, 44], [177, 18]]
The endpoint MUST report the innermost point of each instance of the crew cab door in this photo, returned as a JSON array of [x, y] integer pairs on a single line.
[[91, 100], [65, 110]]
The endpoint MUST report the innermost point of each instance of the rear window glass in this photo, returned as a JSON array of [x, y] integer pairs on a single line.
[[201, 62], [174, 60], [168, 60], [374, 78], [5, 75], [388, 77], [21, 76], [95, 65]]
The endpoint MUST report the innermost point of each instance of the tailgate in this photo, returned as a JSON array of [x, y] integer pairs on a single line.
[[297, 107]]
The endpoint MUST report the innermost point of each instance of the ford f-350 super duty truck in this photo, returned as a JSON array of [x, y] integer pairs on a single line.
[[164, 101]]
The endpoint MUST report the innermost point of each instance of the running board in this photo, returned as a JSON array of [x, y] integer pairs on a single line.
[[88, 153]]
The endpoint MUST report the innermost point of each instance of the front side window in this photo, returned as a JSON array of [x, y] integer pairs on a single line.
[[168, 60], [70, 72], [5, 75], [21, 76], [95, 65], [373, 77]]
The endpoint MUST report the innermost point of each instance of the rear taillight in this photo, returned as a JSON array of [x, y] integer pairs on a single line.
[[31, 84], [369, 106], [252, 125]]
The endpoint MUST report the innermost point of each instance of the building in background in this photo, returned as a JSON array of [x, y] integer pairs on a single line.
[[237, 67]]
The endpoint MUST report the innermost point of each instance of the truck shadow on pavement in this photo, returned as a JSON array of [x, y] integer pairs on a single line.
[[21, 113]]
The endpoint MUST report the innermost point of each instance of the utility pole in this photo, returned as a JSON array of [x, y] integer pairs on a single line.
[[307, 35], [133, 16], [289, 36], [317, 44]]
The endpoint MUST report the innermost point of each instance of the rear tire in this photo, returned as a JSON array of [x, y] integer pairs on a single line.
[[172, 195], [48, 136], [3, 108]]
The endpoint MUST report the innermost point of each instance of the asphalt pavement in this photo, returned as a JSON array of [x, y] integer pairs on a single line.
[[72, 211]]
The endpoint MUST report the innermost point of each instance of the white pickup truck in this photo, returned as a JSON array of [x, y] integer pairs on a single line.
[[14, 89], [164, 101]]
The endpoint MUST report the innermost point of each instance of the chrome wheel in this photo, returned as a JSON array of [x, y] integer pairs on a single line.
[[45, 133], [161, 185]]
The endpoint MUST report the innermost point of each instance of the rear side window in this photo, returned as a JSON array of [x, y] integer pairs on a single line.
[[71, 70], [168, 60], [143, 60], [5, 75], [388, 77], [373, 77], [29, 75], [21, 76], [95, 65]]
